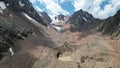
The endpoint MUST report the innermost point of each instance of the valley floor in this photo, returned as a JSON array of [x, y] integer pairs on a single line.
[[92, 50]]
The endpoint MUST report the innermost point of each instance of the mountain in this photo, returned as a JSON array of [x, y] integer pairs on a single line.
[[19, 27], [25, 43], [45, 17], [24, 6], [111, 26], [62, 18], [31, 42], [82, 20]]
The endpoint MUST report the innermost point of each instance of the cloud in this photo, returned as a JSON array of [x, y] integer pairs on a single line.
[[62, 1], [32, 1], [93, 7], [38, 8], [98, 8], [52, 7]]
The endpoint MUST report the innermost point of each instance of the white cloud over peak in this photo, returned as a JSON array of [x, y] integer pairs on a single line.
[[93, 7], [81, 4], [52, 7]]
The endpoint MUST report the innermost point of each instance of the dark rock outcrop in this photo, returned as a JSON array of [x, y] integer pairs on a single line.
[[45, 17], [9, 35], [25, 6], [111, 26], [82, 20], [60, 17]]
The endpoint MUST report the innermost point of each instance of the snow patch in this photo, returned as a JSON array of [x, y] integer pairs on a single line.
[[2, 7], [27, 16], [7, 4], [59, 29], [21, 4], [11, 51], [1, 11], [53, 20], [11, 15], [85, 19], [40, 14]]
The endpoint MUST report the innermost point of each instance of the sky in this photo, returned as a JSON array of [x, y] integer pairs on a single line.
[[101, 9]]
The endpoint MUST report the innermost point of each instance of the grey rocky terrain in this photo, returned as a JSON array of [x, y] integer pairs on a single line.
[[86, 42]]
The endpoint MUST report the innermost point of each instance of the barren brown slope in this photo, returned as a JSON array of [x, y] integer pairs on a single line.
[[92, 51], [38, 50], [28, 50]]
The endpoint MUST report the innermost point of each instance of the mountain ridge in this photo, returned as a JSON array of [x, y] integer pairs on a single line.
[[82, 20], [25, 6], [111, 26]]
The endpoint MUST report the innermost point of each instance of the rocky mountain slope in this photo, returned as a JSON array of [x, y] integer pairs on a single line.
[[23, 6], [36, 46], [62, 18], [37, 50], [82, 20], [31, 41], [45, 17], [12, 28], [111, 26], [15, 27]]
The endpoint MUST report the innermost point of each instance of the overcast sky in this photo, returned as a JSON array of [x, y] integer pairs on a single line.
[[98, 8]]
